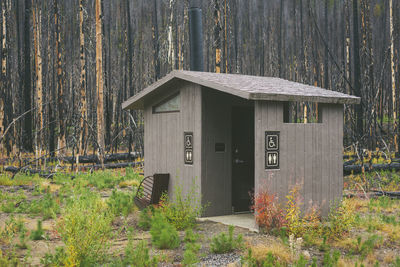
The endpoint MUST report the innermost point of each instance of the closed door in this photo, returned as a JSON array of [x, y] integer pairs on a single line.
[[243, 158]]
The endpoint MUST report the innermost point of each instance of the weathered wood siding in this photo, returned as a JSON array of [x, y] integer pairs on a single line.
[[217, 166], [310, 155], [164, 137]]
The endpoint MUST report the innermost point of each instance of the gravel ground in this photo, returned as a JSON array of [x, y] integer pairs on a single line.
[[219, 259]]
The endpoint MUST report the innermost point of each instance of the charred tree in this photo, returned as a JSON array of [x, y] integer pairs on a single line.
[[99, 82]]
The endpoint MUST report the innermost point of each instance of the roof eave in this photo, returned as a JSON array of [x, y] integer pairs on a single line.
[[318, 99]]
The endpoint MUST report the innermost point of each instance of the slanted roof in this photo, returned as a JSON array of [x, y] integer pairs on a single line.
[[247, 87]]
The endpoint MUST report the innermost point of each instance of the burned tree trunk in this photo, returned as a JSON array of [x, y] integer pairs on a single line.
[[27, 86], [357, 70], [60, 89], [3, 75], [99, 82], [217, 36], [393, 73], [82, 106], [39, 85]]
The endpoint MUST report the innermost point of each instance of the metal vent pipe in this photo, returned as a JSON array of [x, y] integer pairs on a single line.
[[196, 36]]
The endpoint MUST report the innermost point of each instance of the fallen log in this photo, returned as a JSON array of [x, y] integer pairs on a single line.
[[111, 165], [72, 160], [41, 173], [108, 158], [356, 169], [45, 174]]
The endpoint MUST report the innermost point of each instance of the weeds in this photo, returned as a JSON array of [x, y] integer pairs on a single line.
[[85, 228], [224, 243], [183, 210], [38, 234], [120, 203], [331, 259], [190, 256], [365, 247], [163, 234], [340, 220], [145, 218], [59, 258], [139, 255]]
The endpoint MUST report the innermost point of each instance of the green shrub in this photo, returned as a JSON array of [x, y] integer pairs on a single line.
[[38, 234], [59, 258], [85, 228], [365, 247], [249, 260], [301, 262], [145, 218], [120, 203], [183, 210], [331, 259], [224, 243], [271, 261], [22, 235], [190, 236], [163, 234], [396, 262], [190, 256], [340, 220], [139, 256], [48, 206]]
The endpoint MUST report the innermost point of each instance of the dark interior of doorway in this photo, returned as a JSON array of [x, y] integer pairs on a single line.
[[243, 158]]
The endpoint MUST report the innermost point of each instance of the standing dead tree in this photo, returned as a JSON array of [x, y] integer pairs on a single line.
[[99, 82]]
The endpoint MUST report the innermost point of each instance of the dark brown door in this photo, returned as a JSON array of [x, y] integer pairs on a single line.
[[243, 157]]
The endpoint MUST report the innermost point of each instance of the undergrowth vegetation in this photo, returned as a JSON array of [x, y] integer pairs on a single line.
[[274, 217], [92, 220]]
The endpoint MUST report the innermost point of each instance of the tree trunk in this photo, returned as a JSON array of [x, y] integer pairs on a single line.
[[3, 75], [171, 49], [99, 83], [27, 131], [83, 130], [280, 62], [60, 89], [357, 70], [393, 74], [39, 86], [217, 37], [156, 44], [326, 56]]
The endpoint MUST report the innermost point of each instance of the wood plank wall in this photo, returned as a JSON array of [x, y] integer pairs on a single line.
[[310, 155], [164, 138]]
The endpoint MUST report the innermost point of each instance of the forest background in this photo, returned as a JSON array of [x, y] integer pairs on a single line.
[[67, 66]]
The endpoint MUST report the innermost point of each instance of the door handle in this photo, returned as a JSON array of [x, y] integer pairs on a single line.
[[239, 161]]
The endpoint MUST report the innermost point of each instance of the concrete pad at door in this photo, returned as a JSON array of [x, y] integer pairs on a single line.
[[245, 220]]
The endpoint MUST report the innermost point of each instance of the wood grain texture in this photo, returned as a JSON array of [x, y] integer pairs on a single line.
[[310, 155], [163, 141]]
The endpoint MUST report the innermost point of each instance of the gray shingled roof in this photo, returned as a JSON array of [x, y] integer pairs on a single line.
[[246, 86]]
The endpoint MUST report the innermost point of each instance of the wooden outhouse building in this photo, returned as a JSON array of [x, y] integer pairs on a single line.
[[227, 135]]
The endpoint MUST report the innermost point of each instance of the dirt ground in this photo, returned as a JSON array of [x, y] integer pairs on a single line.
[[384, 253]]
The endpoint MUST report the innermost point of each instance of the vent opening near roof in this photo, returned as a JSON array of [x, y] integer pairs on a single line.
[[302, 112]]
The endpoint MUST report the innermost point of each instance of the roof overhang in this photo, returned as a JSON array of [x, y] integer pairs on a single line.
[[138, 101]]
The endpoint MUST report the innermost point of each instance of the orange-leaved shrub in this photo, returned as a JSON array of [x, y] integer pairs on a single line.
[[269, 214]]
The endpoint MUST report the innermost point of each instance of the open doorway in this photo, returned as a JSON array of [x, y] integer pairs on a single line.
[[243, 158]]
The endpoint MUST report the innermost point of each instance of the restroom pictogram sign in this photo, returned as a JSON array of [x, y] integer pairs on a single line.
[[271, 150], [188, 152]]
